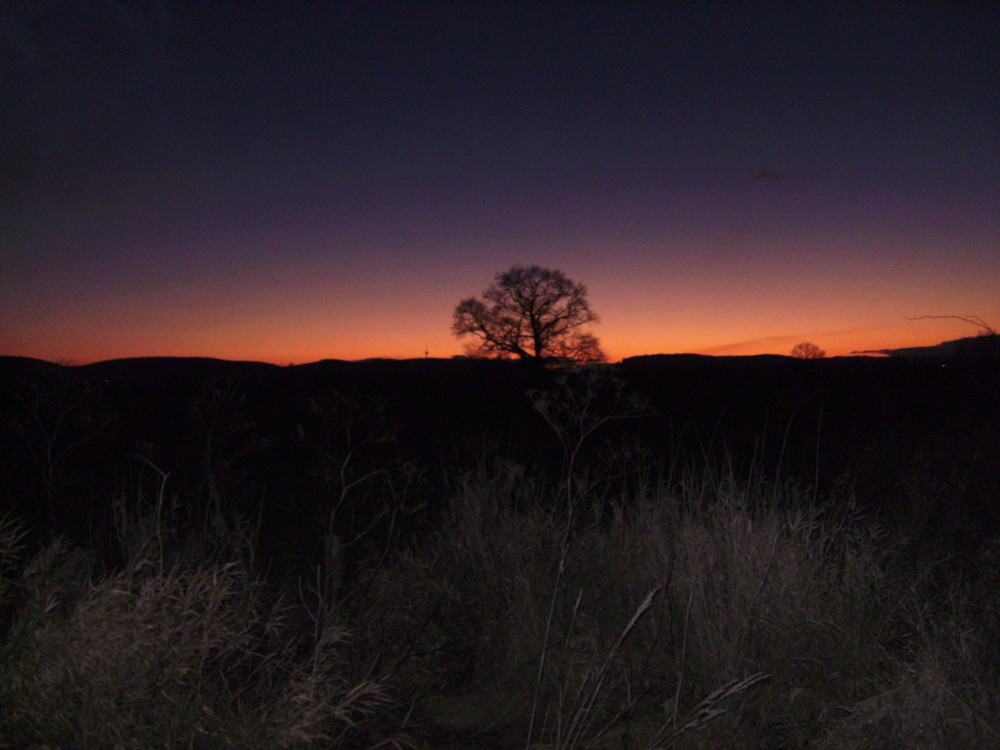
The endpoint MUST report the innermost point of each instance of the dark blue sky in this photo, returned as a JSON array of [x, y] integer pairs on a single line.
[[288, 181]]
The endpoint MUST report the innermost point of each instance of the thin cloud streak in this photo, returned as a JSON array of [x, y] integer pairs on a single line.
[[783, 344], [742, 346]]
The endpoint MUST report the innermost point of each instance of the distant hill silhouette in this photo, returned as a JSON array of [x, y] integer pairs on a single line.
[[809, 419], [985, 346]]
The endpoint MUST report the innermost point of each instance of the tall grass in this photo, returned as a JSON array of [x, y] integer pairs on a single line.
[[184, 645], [706, 609], [726, 612]]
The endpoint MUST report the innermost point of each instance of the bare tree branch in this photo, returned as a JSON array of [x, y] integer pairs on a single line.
[[985, 328]]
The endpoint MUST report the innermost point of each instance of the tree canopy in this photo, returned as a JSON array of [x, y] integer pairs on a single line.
[[530, 312]]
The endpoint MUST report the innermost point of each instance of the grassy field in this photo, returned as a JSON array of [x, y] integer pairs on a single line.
[[624, 601]]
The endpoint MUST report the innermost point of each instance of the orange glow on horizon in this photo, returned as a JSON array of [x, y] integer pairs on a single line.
[[337, 197], [681, 303], [307, 346]]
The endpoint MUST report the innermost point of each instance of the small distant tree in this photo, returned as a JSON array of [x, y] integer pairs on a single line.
[[806, 350], [530, 312]]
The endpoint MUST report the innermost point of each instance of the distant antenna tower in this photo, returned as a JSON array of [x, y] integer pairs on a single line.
[[427, 354]]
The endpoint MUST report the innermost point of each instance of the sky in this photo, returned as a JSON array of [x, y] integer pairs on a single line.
[[289, 182]]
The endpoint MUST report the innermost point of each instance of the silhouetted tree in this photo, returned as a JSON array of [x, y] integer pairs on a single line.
[[806, 350], [531, 312]]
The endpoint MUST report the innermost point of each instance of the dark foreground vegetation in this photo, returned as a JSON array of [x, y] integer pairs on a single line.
[[672, 552]]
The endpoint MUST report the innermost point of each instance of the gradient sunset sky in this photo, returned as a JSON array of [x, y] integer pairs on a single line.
[[288, 182]]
